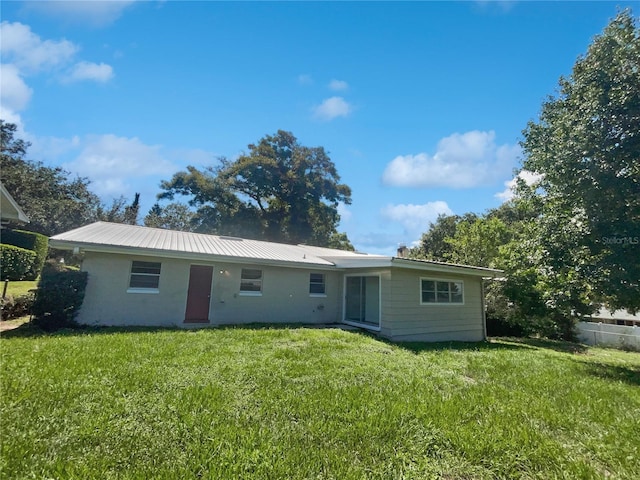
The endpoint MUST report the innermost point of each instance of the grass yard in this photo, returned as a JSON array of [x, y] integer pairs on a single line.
[[304, 403], [20, 288]]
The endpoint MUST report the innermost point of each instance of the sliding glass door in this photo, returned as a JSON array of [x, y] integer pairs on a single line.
[[362, 300]]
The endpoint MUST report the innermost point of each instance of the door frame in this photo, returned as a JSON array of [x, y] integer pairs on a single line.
[[208, 320], [367, 326]]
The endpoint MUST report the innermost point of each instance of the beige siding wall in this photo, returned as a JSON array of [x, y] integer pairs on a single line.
[[285, 296], [405, 319]]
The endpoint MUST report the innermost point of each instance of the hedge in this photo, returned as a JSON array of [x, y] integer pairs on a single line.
[[16, 263], [59, 297], [31, 241]]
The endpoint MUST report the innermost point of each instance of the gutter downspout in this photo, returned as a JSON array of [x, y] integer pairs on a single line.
[[484, 310]]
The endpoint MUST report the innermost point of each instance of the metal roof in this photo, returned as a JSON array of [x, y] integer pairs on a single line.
[[121, 238], [104, 236]]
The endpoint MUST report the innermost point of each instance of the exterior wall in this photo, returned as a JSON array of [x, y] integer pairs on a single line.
[[405, 319], [285, 299], [107, 302], [285, 296]]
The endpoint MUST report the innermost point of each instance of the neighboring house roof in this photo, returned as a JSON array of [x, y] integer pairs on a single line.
[[9, 208], [129, 239], [607, 314]]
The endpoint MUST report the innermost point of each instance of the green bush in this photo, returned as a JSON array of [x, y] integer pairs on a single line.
[[59, 297], [15, 307], [31, 241], [17, 263]]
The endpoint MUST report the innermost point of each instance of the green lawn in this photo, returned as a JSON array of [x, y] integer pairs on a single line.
[[19, 288], [306, 403]]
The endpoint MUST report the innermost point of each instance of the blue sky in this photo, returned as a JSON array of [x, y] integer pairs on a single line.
[[421, 104]]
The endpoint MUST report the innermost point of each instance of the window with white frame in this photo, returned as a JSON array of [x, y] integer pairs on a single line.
[[441, 291], [251, 281], [317, 284], [145, 276]]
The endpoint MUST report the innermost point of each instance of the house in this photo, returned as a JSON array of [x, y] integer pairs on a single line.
[[615, 317], [10, 211], [154, 277]]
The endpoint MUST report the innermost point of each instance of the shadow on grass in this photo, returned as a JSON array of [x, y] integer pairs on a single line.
[[540, 343], [615, 373], [28, 330], [420, 347], [605, 371]]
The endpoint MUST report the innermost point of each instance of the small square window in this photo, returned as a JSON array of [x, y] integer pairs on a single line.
[[145, 275], [317, 284], [251, 281]]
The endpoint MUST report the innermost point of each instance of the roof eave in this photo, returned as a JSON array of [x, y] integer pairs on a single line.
[[209, 257], [20, 215], [446, 268]]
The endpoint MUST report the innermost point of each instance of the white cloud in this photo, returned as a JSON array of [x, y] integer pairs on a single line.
[[10, 116], [508, 193], [344, 212], [415, 219], [338, 85], [111, 161], [305, 79], [29, 52], [97, 13], [51, 148], [25, 54], [378, 243], [14, 93], [101, 73], [332, 108], [460, 161]]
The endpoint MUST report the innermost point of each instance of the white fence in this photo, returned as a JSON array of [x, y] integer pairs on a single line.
[[619, 336]]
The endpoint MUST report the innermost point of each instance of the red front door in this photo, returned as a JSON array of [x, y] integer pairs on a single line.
[[199, 294]]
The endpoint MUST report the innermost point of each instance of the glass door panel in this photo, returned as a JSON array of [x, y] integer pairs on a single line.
[[363, 300]]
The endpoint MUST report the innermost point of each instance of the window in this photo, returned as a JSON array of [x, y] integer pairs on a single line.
[[441, 291], [251, 282], [145, 277], [316, 284]]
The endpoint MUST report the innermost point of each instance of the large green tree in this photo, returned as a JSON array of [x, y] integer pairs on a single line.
[[434, 244], [175, 216], [279, 191], [586, 147], [119, 211], [54, 200], [478, 242]]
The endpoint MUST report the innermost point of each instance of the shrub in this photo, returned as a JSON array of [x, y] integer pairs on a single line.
[[17, 262], [36, 242], [501, 327], [59, 297], [15, 307]]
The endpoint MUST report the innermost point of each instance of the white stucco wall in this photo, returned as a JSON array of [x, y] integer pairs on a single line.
[[285, 297]]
